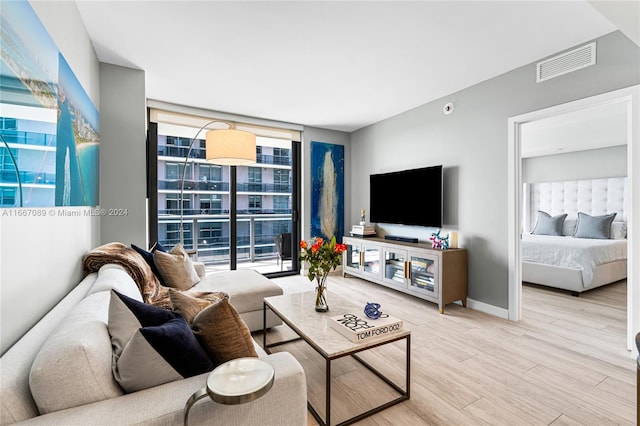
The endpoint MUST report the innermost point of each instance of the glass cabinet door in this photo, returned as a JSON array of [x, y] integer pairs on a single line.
[[423, 275], [394, 267], [371, 261], [352, 258]]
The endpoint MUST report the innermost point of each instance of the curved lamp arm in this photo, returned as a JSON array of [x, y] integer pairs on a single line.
[[184, 173], [15, 166]]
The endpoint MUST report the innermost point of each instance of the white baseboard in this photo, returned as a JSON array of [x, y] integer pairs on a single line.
[[488, 309]]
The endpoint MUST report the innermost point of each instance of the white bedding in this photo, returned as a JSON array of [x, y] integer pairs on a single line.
[[570, 252]]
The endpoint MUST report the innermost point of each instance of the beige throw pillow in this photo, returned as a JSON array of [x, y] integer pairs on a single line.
[[176, 268], [222, 333], [190, 305]]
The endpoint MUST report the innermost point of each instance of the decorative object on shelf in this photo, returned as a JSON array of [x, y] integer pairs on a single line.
[[453, 239], [372, 310], [322, 257], [363, 217], [438, 242], [363, 231], [227, 147]]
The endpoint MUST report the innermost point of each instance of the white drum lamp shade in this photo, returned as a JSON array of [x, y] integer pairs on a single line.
[[228, 147], [231, 147]]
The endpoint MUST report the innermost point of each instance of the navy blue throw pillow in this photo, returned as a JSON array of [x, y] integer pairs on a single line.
[[151, 345], [148, 257]]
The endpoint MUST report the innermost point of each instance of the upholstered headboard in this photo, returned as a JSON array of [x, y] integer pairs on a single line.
[[591, 196]]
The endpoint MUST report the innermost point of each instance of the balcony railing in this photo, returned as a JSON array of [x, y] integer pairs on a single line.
[[9, 176], [181, 152], [215, 249], [192, 185], [28, 138], [223, 212], [276, 160], [264, 187]]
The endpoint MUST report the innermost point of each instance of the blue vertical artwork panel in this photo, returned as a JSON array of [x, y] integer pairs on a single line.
[[327, 190], [78, 142], [49, 128]]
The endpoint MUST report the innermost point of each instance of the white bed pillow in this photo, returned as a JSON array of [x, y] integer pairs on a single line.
[[569, 227], [618, 230]]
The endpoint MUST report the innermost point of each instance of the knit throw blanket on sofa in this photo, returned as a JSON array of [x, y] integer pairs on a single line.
[[135, 265]]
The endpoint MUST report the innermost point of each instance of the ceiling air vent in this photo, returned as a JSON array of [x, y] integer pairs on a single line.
[[567, 62]]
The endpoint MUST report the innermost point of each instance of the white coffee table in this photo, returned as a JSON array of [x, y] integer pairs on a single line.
[[296, 311]]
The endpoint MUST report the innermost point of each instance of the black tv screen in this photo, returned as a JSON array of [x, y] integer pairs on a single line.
[[407, 197]]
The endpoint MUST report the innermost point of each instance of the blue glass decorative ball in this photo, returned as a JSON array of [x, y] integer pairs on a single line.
[[372, 310]]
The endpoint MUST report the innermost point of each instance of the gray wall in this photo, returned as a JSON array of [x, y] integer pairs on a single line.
[[40, 257], [123, 177], [590, 164], [471, 144]]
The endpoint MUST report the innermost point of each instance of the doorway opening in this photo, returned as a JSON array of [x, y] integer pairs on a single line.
[[630, 98]]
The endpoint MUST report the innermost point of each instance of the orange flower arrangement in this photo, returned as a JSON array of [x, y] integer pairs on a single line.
[[322, 257]]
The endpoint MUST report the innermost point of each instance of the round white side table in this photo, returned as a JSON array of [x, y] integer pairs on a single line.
[[235, 382]]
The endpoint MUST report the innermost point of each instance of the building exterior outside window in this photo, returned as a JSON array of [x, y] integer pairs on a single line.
[[263, 200], [32, 145]]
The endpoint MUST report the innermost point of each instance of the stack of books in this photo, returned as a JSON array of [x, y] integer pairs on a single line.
[[359, 328], [363, 231]]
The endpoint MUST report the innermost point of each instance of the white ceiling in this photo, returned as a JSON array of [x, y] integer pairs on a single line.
[[336, 65], [595, 127]]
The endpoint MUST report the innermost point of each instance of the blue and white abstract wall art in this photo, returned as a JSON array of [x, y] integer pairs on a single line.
[[327, 190]]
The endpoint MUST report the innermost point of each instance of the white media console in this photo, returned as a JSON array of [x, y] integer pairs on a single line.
[[439, 276]]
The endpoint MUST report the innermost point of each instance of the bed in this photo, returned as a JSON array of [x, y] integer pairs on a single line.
[[571, 258]]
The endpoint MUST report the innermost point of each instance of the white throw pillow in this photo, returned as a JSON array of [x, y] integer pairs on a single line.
[[73, 367], [619, 230]]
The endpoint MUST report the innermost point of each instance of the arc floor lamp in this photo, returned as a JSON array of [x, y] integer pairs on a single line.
[[226, 147]]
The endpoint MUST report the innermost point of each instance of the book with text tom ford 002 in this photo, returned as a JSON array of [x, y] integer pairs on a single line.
[[359, 328]]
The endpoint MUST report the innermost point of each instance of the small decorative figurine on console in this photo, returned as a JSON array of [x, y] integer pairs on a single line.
[[438, 242], [363, 218], [372, 310]]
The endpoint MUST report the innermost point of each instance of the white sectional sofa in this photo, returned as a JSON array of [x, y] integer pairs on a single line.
[[60, 371]]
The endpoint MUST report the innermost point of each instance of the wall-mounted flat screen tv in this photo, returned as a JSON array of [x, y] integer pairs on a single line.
[[407, 197]]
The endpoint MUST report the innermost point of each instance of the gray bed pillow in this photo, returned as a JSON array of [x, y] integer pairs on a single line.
[[598, 227], [549, 225]]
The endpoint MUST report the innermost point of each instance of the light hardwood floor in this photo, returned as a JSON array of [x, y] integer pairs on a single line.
[[565, 363]]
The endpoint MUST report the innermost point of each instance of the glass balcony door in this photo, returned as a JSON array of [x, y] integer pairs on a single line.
[[231, 215]]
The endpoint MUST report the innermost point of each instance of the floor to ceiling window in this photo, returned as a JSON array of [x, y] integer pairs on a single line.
[[264, 203]]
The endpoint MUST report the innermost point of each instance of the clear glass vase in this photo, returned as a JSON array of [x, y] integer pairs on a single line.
[[321, 294]]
